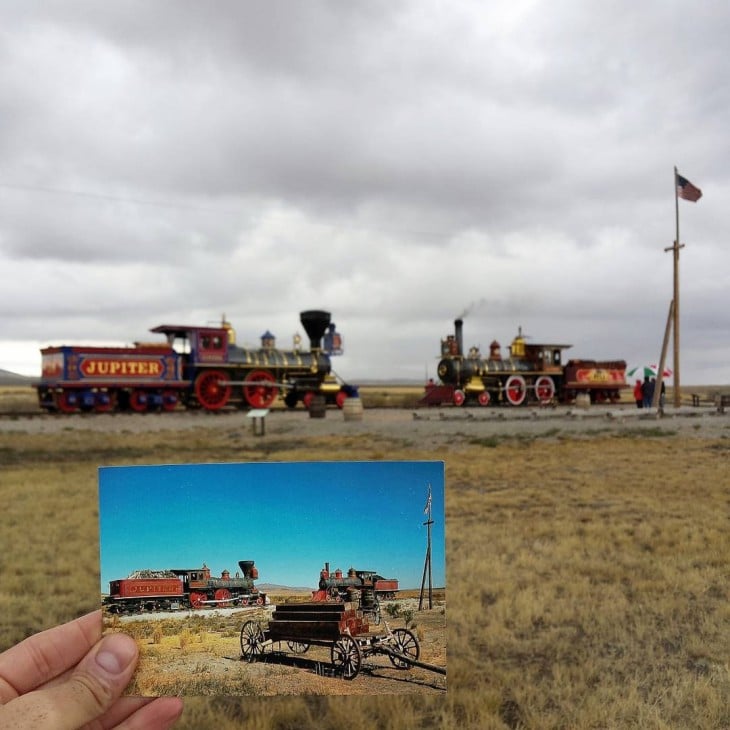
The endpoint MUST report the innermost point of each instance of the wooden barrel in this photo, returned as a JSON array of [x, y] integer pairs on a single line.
[[352, 409], [318, 407]]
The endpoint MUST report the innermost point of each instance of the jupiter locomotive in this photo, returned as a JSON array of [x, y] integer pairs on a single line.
[[530, 373], [183, 588], [197, 367]]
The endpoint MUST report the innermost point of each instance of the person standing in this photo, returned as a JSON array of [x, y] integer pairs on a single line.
[[647, 392], [638, 394]]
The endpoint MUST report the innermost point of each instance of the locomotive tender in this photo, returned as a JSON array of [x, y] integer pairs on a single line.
[[532, 373], [198, 367], [181, 588]]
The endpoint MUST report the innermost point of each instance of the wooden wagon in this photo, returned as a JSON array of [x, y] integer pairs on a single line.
[[337, 625]]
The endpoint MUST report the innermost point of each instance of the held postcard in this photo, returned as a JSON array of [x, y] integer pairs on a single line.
[[277, 578]]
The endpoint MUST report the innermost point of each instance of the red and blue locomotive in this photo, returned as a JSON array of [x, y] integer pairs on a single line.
[[183, 588], [198, 367], [531, 373]]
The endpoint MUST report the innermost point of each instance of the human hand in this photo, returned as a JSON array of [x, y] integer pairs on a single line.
[[69, 677]]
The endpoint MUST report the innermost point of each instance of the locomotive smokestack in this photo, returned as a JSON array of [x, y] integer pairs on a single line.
[[315, 322], [458, 325]]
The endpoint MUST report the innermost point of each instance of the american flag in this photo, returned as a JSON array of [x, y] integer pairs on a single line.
[[686, 190], [427, 508]]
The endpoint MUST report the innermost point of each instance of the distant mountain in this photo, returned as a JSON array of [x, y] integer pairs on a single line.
[[8, 378]]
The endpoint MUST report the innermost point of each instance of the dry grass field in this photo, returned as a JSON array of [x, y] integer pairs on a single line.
[[587, 570]]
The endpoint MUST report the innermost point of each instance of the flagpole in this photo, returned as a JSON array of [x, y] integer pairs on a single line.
[[675, 333], [427, 563]]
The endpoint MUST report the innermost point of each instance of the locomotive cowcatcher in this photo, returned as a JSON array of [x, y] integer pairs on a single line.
[[198, 367], [532, 373], [181, 588]]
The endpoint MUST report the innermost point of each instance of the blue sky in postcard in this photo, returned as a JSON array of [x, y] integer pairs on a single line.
[[288, 517]]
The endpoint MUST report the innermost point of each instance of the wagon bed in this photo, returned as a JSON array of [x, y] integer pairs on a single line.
[[337, 625]]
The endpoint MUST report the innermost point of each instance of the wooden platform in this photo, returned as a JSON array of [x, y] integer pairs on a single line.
[[315, 622]]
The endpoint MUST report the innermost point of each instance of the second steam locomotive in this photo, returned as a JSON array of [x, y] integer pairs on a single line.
[[530, 373], [197, 367]]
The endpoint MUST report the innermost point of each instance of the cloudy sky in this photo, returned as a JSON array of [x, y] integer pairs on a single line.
[[397, 163]]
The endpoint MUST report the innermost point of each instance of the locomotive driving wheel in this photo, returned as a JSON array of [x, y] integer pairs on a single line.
[[405, 643], [544, 388], [346, 656], [197, 600], [223, 595], [260, 394], [252, 640], [212, 389], [515, 389]]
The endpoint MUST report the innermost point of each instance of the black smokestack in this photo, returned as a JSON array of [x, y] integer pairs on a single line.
[[315, 323], [458, 325]]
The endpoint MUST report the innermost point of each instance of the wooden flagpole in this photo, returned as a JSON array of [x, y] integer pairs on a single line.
[[427, 563], [675, 333]]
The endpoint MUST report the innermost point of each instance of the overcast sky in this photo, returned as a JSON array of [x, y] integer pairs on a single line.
[[395, 163]]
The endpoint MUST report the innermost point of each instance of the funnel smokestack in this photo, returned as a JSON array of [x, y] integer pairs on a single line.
[[315, 323], [458, 325]]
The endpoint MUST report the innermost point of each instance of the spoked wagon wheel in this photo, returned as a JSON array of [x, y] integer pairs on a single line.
[[515, 389], [262, 393], [346, 656], [252, 639], [404, 642], [298, 647], [212, 389]]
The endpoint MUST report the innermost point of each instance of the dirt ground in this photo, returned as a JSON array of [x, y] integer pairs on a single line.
[[429, 427], [166, 667]]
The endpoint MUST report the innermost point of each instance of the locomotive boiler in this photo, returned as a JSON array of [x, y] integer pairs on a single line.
[[183, 588], [197, 367], [530, 373]]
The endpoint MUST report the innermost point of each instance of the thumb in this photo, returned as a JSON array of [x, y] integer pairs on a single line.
[[88, 692]]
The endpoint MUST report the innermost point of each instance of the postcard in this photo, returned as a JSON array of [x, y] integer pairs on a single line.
[[277, 578]]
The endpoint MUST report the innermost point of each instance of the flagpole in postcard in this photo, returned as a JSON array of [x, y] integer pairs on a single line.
[[427, 564], [684, 189]]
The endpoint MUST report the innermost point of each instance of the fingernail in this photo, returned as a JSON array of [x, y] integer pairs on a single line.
[[116, 653]]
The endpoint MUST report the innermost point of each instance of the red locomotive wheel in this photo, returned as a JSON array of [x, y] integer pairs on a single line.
[[262, 393], [197, 600], [544, 389], [169, 400], [64, 402], [459, 397], [483, 398], [212, 389], [224, 595], [307, 399], [104, 402], [515, 389], [138, 401], [340, 399]]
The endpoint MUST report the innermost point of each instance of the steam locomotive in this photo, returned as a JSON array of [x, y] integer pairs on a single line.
[[198, 367], [532, 373], [343, 586], [169, 590]]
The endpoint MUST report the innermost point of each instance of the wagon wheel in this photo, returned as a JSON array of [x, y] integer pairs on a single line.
[[252, 639], [298, 647], [223, 594], [459, 397], [544, 388], [404, 642], [64, 402], [346, 656], [212, 389], [197, 600], [483, 398], [138, 401], [262, 393], [515, 389]]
